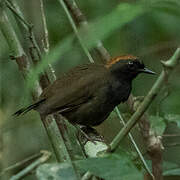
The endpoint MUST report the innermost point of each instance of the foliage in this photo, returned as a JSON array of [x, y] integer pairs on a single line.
[[173, 118], [149, 29], [110, 167], [157, 124]]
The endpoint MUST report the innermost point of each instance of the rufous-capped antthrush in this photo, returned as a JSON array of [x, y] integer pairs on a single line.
[[88, 93]]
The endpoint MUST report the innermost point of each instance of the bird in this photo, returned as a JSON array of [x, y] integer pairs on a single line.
[[88, 93]]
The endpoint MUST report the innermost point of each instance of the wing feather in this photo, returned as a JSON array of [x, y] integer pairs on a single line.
[[72, 89]]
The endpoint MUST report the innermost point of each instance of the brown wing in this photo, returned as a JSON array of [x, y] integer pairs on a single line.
[[73, 89]]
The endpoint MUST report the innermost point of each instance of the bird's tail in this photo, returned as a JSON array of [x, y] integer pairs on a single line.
[[26, 109]]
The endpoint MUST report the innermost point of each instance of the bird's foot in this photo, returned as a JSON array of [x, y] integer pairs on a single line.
[[87, 133]]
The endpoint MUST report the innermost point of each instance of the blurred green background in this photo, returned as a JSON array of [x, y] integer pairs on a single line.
[[152, 36]]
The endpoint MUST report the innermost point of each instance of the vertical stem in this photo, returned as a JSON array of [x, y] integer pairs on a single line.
[[76, 32], [46, 40], [55, 134], [23, 64], [80, 20]]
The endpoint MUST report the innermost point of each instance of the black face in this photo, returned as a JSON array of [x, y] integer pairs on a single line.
[[129, 69], [136, 67]]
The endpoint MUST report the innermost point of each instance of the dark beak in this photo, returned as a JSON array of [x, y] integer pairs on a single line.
[[145, 70]]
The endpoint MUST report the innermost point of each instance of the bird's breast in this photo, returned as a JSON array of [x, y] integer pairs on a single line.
[[101, 104], [119, 92]]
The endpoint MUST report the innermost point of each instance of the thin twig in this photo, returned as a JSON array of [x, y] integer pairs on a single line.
[[172, 145], [20, 163], [34, 51], [135, 145], [46, 39], [45, 156], [12, 7], [76, 31], [28, 26], [87, 176], [80, 20], [152, 141], [171, 135]]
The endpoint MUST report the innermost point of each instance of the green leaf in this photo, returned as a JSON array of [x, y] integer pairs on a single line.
[[173, 118], [168, 6], [61, 171], [105, 26], [169, 165], [113, 167], [110, 167], [172, 172], [157, 124]]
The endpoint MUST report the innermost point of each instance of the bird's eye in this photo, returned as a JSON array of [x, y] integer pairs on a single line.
[[130, 64]]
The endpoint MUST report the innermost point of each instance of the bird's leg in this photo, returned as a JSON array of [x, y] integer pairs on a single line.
[[92, 132], [87, 138], [89, 133]]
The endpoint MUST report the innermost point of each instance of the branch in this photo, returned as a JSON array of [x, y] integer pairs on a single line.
[[87, 176], [16, 49], [152, 141], [54, 134], [27, 26], [81, 21], [76, 32], [34, 50], [168, 66], [45, 156], [135, 145], [46, 40], [20, 163]]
